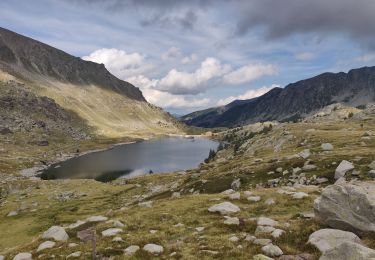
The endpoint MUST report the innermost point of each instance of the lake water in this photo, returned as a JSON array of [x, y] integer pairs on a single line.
[[128, 160]]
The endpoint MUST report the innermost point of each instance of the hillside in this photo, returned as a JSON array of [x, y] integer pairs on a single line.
[[111, 107], [295, 101]]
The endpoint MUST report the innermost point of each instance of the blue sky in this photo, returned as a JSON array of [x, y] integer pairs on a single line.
[[190, 55]]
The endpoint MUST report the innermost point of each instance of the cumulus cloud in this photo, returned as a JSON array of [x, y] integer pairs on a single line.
[[181, 82], [252, 93], [249, 73], [119, 62], [305, 56], [189, 59], [171, 53], [165, 99]]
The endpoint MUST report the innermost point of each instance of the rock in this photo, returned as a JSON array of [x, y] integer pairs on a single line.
[[57, 233], [118, 224], [300, 195], [247, 193], [263, 229], [145, 204], [321, 180], [261, 257], [224, 208], [176, 195], [262, 241], [277, 233], [77, 224], [72, 245], [117, 239], [131, 250], [250, 238], [236, 184], [23, 256], [153, 249], [309, 167], [199, 229], [210, 252], [254, 198], [12, 213], [327, 239], [279, 170], [372, 165], [269, 202], [96, 219], [2, 257], [303, 256], [296, 170], [74, 255], [307, 215], [371, 173], [304, 154], [263, 221], [231, 221], [227, 192], [349, 251], [46, 245], [234, 239], [272, 250], [348, 206], [327, 147], [234, 196], [111, 232], [343, 167]]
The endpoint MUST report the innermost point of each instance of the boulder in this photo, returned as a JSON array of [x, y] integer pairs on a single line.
[[23, 256], [131, 250], [224, 208], [46, 245], [347, 206], [272, 250], [57, 233], [328, 239], [327, 147], [343, 167], [111, 232], [349, 251], [153, 249]]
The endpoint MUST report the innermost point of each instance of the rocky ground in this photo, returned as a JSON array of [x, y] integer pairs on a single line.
[[274, 191]]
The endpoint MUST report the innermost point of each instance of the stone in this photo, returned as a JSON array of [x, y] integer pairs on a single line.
[[176, 195], [371, 173], [234, 239], [46, 245], [247, 193], [118, 224], [131, 250], [231, 221], [77, 224], [342, 168], [279, 170], [23, 256], [327, 147], [236, 184], [254, 198], [199, 229], [327, 239], [96, 219], [74, 255], [262, 241], [250, 238], [303, 256], [210, 252], [321, 180], [261, 257], [296, 170], [12, 213], [145, 204], [224, 208], [309, 167], [300, 195], [117, 239], [263, 221], [57, 233], [277, 233], [235, 196], [307, 215], [152, 231], [263, 229], [111, 232], [347, 206], [304, 154], [72, 245], [227, 192], [2, 257], [372, 165], [153, 249], [269, 202], [349, 251], [272, 250]]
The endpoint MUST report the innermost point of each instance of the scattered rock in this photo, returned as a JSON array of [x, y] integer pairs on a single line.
[[304, 154], [57, 233], [176, 195], [263, 221], [231, 221], [23, 256], [272, 250], [309, 167], [12, 213], [348, 206], [371, 173], [117, 239], [262, 241], [277, 233], [210, 252], [199, 229], [327, 239], [327, 147], [131, 250], [46, 245], [343, 167], [153, 249], [247, 193], [111, 232], [372, 165], [269, 202], [72, 244], [145, 204], [74, 255], [96, 219], [250, 238], [224, 208], [300, 195], [261, 257], [234, 196], [254, 198], [307, 215], [77, 224], [227, 192], [234, 239]]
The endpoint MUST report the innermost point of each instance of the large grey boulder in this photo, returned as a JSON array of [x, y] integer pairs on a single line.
[[224, 208], [57, 233], [23, 256], [349, 251], [328, 239], [347, 206], [343, 167]]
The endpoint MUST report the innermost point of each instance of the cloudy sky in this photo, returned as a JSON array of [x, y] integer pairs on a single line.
[[194, 54]]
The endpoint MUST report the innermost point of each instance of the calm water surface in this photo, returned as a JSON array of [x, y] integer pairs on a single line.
[[154, 156]]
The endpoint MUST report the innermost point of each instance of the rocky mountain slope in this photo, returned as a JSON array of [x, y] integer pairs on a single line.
[[110, 106], [295, 101]]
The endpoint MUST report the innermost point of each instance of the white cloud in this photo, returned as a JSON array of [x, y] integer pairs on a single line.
[[249, 73], [165, 99], [366, 58], [305, 56], [119, 62], [189, 59], [172, 53], [181, 82], [252, 93]]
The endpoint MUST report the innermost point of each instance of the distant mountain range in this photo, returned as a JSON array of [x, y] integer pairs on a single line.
[[295, 101], [110, 106]]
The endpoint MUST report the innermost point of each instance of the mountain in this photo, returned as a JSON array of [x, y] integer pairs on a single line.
[[295, 101], [110, 106]]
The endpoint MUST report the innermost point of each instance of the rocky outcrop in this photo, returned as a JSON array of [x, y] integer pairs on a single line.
[[348, 206], [349, 251]]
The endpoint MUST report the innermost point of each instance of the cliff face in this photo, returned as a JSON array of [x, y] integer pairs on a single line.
[[296, 100]]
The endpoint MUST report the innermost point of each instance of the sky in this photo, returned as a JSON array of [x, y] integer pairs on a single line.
[[194, 54]]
